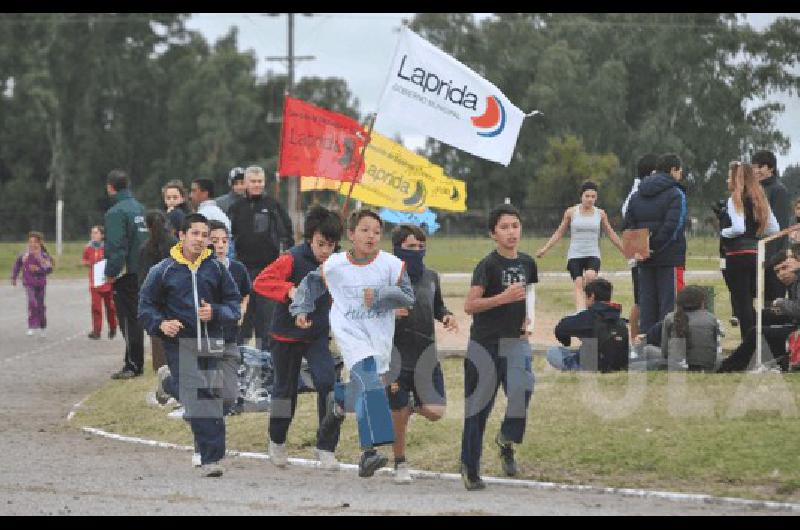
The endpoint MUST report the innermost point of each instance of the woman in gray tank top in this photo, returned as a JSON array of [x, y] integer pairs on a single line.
[[583, 257]]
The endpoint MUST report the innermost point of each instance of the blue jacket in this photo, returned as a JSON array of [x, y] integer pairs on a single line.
[[660, 206], [174, 289], [581, 325]]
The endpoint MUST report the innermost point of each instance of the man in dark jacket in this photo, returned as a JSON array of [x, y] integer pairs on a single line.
[[261, 230], [765, 170], [660, 206], [126, 232], [583, 325], [188, 299]]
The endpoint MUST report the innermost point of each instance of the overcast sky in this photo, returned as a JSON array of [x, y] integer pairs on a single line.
[[359, 47]]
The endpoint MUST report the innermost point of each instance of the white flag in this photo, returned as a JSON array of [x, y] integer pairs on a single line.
[[429, 91]]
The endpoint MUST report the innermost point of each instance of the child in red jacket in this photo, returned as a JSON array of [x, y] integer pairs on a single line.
[[93, 253]]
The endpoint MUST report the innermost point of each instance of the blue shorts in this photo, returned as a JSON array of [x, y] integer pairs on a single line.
[[430, 396]]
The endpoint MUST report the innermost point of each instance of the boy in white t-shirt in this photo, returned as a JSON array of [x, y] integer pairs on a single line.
[[366, 285]]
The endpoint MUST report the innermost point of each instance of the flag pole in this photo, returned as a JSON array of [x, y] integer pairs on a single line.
[[280, 151], [371, 123]]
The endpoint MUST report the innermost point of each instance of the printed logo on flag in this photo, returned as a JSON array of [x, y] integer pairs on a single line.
[[493, 118]]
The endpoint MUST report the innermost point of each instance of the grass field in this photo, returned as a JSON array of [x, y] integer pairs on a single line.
[[445, 254], [729, 435]]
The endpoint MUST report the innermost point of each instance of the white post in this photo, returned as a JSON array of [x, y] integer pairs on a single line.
[[508, 200], [59, 226], [760, 271]]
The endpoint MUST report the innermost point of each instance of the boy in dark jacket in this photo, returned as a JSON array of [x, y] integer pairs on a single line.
[[278, 282], [660, 206], [414, 351], [583, 326], [220, 240], [188, 299]]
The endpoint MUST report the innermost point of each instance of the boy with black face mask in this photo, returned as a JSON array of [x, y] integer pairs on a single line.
[[414, 356]]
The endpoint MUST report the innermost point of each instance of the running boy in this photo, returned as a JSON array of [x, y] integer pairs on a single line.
[[415, 344], [279, 281], [366, 285], [498, 335], [101, 295], [189, 299], [231, 359]]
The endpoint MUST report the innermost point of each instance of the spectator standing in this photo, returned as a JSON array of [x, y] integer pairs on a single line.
[[261, 230], [102, 294], [236, 185], [766, 171], [157, 247], [126, 232], [660, 206], [174, 194]]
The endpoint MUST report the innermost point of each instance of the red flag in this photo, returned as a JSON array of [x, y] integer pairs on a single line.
[[320, 143]]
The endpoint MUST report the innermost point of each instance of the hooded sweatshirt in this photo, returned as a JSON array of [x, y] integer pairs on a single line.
[[660, 206], [174, 289]]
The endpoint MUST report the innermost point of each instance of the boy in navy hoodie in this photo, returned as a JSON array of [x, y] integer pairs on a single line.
[[188, 299], [583, 325], [279, 281]]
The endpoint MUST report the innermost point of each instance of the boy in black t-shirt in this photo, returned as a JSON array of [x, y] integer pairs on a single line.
[[498, 351]]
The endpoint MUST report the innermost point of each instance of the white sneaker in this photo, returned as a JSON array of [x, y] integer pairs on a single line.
[[150, 399], [196, 461], [30, 333], [327, 460], [177, 414], [402, 475], [211, 470], [277, 454]]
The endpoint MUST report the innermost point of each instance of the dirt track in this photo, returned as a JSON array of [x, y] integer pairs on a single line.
[[51, 467]]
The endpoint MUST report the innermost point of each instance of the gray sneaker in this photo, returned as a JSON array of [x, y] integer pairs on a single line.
[[161, 395], [211, 470], [370, 462], [506, 455], [471, 482], [402, 474], [278, 455]]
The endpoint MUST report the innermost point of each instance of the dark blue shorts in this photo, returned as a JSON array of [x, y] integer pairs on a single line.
[[430, 396], [576, 266]]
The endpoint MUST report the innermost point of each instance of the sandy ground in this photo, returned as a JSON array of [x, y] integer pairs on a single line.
[[51, 467]]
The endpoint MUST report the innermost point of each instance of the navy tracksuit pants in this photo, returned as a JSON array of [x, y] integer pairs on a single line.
[[287, 358], [486, 367], [657, 289], [198, 376]]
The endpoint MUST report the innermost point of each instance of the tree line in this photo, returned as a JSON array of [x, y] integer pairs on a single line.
[[83, 93]]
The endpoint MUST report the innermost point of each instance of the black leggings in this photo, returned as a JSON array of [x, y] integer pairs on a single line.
[[741, 276]]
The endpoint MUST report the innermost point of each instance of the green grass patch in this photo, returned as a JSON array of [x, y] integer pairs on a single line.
[[703, 433], [615, 430], [68, 265]]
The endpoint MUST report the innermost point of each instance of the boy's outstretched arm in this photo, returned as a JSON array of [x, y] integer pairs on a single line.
[[394, 296], [311, 288]]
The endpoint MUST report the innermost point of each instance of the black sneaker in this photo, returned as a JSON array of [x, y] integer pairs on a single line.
[[471, 482], [94, 336], [734, 321], [333, 416], [125, 374], [506, 456], [370, 462], [111, 333]]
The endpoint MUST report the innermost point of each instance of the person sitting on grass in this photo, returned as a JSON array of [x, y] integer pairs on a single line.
[[690, 333], [602, 331]]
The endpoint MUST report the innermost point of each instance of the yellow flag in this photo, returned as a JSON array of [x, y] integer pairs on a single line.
[[399, 179]]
